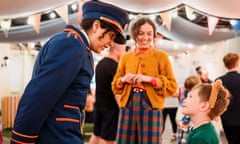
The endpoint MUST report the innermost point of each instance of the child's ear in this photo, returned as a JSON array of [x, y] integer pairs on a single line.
[[204, 106]]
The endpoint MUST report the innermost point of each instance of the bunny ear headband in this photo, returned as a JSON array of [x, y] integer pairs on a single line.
[[215, 89]]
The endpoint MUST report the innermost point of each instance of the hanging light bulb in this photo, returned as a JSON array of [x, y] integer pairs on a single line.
[[52, 15], [74, 7]]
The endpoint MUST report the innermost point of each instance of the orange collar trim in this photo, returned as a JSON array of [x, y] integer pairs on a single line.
[[147, 51]]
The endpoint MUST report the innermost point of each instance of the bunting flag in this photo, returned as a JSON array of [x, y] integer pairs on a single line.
[[35, 21], [189, 12], [5, 25], [167, 19], [80, 4], [236, 26], [63, 13], [212, 22], [159, 36]]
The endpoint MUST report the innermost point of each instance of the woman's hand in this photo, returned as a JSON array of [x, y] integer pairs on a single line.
[[140, 78], [135, 78], [128, 78]]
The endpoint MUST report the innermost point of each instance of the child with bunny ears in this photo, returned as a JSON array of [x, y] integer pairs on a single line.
[[204, 103]]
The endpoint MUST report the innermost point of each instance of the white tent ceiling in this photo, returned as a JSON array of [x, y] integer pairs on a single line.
[[182, 30], [24, 8], [221, 8]]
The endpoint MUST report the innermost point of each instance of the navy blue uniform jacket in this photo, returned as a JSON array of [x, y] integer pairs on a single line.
[[50, 110]]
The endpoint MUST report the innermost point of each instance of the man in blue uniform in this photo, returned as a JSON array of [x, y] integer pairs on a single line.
[[50, 110]]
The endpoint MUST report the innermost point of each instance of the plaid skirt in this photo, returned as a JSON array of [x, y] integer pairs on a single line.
[[138, 122]]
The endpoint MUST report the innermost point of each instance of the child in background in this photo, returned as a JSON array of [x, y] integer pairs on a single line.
[[183, 120], [204, 103]]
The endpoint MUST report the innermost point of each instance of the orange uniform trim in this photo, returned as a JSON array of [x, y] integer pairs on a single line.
[[71, 107], [23, 135], [20, 142], [77, 36], [112, 22], [70, 32], [68, 119]]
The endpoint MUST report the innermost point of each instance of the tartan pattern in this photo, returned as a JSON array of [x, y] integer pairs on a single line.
[[139, 123]]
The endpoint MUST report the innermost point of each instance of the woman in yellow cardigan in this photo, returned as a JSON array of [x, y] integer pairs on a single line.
[[143, 78]]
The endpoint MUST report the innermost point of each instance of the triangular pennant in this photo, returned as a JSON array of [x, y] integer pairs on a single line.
[[212, 22], [5, 25], [236, 26], [35, 21], [63, 13], [167, 19], [189, 12]]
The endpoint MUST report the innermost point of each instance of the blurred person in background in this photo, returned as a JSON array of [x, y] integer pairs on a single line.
[[203, 74], [183, 121], [106, 106], [231, 80]]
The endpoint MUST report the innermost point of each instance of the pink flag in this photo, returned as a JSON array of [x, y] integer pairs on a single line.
[[35, 20], [63, 13], [167, 19], [212, 22]]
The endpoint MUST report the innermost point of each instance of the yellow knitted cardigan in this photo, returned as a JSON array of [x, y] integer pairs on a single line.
[[156, 65]]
